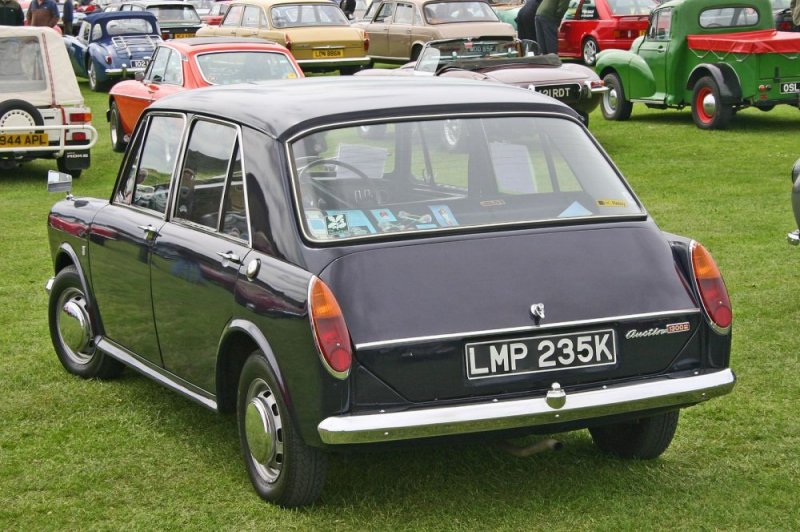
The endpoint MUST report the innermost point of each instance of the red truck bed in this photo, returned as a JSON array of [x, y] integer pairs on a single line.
[[749, 42]]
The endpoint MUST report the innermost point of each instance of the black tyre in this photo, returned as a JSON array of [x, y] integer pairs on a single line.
[[614, 105], [61, 163], [71, 330], [282, 468], [415, 51], [19, 113], [589, 51], [645, 439], [118, 143], [348, 70], [708, 111]]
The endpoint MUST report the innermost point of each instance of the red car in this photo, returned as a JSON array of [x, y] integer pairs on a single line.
[[216, 13], [593, 25], [182, 64]]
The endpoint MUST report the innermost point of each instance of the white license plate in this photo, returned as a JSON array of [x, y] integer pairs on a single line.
[[790, 88], [540, 353], [138, 63]]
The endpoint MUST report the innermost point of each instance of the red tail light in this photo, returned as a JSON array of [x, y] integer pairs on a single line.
[[784, 26], [330, 330], [712, 289], [79, 136], [108, 59], [288, 41], [366, 44], [75, 118]]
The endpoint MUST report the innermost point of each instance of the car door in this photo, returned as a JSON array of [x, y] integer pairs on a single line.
[[230, 24], [401, 31], [198, 253], [77, 46], [654, 49], [378, 30], [123, 234]]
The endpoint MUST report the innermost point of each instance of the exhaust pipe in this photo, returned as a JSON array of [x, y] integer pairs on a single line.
[[523, 452]]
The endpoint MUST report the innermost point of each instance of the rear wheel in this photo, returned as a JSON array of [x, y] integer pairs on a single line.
[[614, 105], [708, 111], [115, 126], [415, 51], [645, 438], [282, 468], [590, 50], [94, 83], [71, 330]]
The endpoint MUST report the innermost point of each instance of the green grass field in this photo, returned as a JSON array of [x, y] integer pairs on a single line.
[[129, 454]]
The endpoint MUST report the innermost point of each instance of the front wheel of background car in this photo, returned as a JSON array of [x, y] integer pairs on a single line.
[[71, 330], [282, 468], [61, 163], [590, 50], [645, 438], [708, 110], [115, 127], [614, 105]]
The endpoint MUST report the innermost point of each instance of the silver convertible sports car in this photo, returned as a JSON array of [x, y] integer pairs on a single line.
[[260, 256]]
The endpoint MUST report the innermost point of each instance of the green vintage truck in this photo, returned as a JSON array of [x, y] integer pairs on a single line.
[[717, 56]]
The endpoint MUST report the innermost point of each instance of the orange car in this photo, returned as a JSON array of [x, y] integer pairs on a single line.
[[182, 64]]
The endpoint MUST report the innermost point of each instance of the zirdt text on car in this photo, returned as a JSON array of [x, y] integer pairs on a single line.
[[42, 112], [259, 256], [112, 46], [182, 64]]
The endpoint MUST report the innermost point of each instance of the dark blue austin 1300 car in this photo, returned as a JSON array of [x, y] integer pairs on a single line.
[[337, 285]]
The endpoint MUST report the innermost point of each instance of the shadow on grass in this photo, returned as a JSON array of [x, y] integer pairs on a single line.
[[749, 120]]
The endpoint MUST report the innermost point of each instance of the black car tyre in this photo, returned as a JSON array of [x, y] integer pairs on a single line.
[[645, 438], [61, 163], [589, 51], [71, 330], [614, 105], [282, 468], [708, 111], [19, 113], [115, 127]]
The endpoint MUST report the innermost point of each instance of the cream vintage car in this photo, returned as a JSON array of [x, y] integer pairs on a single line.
[[316, 31], [398, 29]]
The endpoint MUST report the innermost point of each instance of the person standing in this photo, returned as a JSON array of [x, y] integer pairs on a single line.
[[548, 18], [11, 13], [43, 13], [795, 10], [67, 17], [526, 20]]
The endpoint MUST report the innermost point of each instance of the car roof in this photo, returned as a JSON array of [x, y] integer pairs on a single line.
[[203, 44], [267, 3], [111, 15], [282, 108], [151, 3]]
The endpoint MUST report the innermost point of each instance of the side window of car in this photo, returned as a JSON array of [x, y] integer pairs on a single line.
[[173, 74], [205, 172], [233, 16], [97, 32], [234, 212], [588, 10], [148, 173], [85, 31], [417, 17], [384, 12], [252, 15], [660, 25], [159, 65], [404, 14]]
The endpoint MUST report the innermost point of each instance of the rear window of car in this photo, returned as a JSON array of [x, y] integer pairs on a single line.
[[728, 17], [131, 26], [379, 180], [293, 15], [632, 7], [22, 68], [186, 14], [449, 12], [225, 68]]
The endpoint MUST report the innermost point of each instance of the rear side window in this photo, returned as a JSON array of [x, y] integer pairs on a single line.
[[233, 16], [22, 68], [728, 17]]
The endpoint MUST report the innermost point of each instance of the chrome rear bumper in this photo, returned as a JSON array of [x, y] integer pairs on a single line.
[[499, 415]]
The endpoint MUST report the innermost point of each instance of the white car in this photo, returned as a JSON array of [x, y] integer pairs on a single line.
[[42, 112]]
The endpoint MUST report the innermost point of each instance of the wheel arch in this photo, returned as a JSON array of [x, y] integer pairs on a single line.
[[239, 339], [66, 256], [634, 73], [730, 88]]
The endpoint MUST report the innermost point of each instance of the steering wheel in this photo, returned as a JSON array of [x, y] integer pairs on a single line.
[[335, 162]]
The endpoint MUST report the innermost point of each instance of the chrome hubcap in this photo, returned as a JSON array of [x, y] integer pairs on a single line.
[[264, 431], [113, 126], [709, 104], [589, 52], [611, 99], [74, 326]]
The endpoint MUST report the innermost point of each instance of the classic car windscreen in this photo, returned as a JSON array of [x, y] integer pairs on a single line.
[[131, 26], [21, 66], [448, 12], [224, 68], [290, 15], [434, 175]]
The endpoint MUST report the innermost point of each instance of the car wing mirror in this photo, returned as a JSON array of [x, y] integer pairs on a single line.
[[59, 182]]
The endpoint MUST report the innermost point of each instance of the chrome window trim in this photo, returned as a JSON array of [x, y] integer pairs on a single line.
[[526, 329], [439, 231], [664, 392]]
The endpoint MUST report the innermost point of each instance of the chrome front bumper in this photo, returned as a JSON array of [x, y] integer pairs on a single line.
[[499, 415]]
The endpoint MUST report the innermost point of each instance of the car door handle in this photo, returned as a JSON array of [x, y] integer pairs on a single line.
[[230, 256], [150, 231]]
